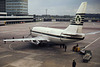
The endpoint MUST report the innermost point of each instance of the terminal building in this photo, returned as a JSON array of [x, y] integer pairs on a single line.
[[2, 5], [14, 7], [44, 18], [89, 17]]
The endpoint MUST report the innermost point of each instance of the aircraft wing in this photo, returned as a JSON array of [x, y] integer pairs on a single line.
[[35, 40]]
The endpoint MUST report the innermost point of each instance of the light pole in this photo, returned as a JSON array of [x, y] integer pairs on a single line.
[[46, 11]]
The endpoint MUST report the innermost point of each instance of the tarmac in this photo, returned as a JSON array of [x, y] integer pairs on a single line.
[[26, 54]]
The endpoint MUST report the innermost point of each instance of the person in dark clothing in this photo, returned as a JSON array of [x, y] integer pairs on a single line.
[[74, 63], [63, 45], [77, 45], [65, 48]]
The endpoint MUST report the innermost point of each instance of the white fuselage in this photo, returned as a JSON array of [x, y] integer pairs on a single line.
[[54, 35]]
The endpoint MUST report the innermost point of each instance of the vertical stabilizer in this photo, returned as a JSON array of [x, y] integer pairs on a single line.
[[77, 23], [82, 8]]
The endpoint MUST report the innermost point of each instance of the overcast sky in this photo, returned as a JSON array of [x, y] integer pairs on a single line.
[[61, 7]]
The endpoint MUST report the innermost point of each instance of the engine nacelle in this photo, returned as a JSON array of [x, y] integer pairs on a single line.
[[35, 42]]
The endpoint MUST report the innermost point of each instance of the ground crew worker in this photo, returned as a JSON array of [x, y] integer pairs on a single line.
[[77, 45], [75, 48], [65, 48], [63, 45], [74, 63]]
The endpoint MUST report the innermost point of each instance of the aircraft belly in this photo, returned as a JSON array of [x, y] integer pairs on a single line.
[[55, 40], [68, 40]]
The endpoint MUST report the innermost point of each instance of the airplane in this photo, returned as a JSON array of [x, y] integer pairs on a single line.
[[72, 33]]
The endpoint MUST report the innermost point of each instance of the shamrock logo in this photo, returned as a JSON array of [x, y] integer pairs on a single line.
[[78, 19]]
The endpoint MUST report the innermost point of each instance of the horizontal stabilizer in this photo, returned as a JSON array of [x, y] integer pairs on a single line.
[[76, 34]]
